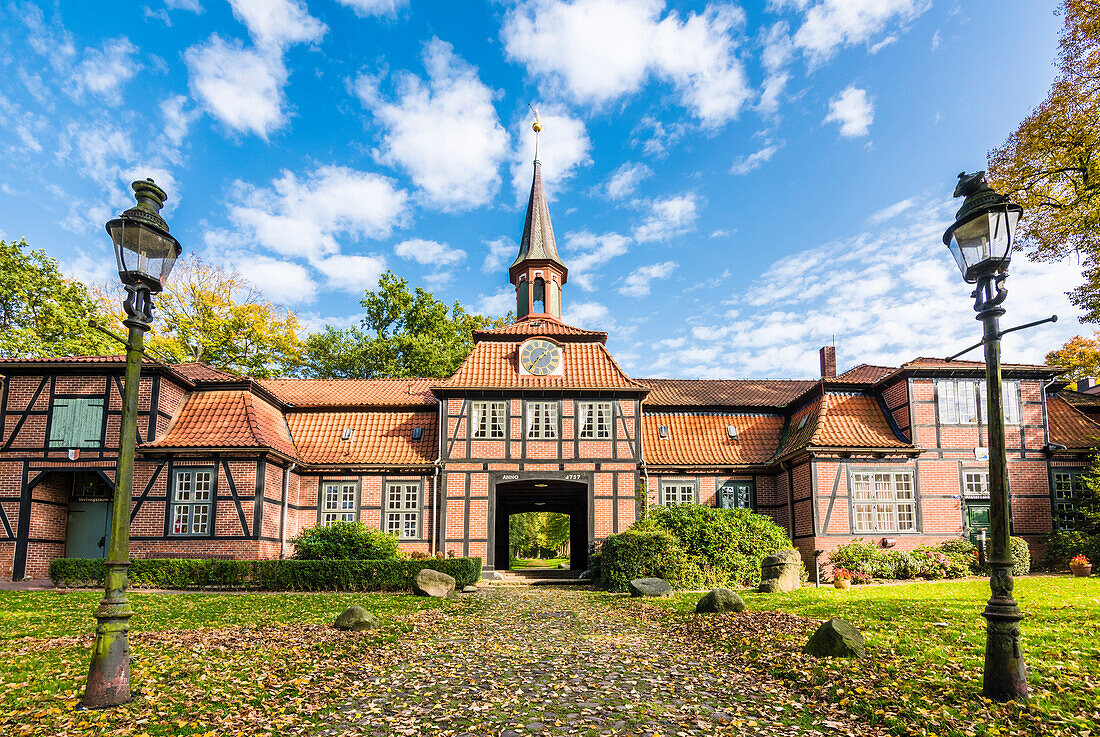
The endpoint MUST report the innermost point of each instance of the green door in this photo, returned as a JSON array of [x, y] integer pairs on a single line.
[[87, 536], [977, 518]]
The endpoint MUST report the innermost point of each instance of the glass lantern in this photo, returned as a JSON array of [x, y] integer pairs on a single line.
[[981, 237], [144, 250]]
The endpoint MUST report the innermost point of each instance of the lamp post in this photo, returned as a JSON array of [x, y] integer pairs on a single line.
[[145, 254], [980, 239]]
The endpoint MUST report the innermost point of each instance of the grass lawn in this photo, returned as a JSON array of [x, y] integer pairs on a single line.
[[199, 663], [926, 644], [538, 562]]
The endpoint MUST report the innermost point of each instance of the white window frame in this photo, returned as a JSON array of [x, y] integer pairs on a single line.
[[678, 492], [192, 508], [339, 502], [542, 420], [965, 401], [488, 420], [1067, 489], [594, 420], [884, 501], [975, 484], [403, 509]]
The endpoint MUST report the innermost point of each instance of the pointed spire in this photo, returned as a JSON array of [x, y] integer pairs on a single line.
[[537, 242]]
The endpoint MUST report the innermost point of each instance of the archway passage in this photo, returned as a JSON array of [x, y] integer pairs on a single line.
[[564, 497]]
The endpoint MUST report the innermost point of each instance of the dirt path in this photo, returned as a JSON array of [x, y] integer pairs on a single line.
[[549, 661]]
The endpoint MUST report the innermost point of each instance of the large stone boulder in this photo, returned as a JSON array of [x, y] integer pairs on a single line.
[[720, 601], [649, 587], [836, 638], [433, 583], [781, 572], [356, 619]]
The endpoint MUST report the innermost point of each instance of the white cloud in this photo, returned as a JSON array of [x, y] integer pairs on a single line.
[[774, 87], [429, 253], [241, 87], [744, 164], [501, 250], [588, 251], [445, 133], [831, 24], [284, 282], [365, 8], [592, 315], [668, 217], [601, 50], [637, 282], [564, 146], [624, 180], [103, 72], [890, 212], [177, 118], [498, 303], [892, 38], [308, 217], [192, 5], [352, 273], [936, 40], [278, 23], [853, 110]]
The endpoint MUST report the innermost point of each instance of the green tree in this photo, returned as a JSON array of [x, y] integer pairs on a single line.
[[402, 334], [1051, 163], [213, 314], [555, 529], [1080, 357], [43, 314]]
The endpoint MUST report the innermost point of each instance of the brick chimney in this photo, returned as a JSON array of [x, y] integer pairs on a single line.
[[828, 362]]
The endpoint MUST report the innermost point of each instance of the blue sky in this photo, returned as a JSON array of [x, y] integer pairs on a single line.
[[732, 185]]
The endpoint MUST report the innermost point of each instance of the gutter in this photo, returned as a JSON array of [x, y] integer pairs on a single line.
[[286, 505]]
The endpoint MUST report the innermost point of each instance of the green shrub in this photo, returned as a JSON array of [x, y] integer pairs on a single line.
[[344, 541], [723, 546], [1021, 557], [1064, 544], [858, 555], [268, 575], [951, 559], [640, 554]]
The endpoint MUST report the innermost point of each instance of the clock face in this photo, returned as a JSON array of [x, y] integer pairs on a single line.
[[540, 357]]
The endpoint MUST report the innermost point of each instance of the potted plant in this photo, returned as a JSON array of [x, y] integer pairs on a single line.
[[1080, 566], [842, 578]]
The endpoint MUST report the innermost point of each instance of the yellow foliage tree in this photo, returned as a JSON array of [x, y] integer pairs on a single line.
[[1080, 356]]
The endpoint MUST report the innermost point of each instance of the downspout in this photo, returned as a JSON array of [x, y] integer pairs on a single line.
[[645, 483], [435, 485], [1046, 421], [286, 507]]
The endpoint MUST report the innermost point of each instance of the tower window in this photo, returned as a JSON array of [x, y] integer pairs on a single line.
[[539, 295]]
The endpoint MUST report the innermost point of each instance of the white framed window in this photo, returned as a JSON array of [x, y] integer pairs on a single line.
[[487, 419], [884, 502], [976, 484], [403, 508], [542, 420], [964, 401], [1069, 490], [737, 495], [595, 420], [677, 492], [339, 502], [192, 497]]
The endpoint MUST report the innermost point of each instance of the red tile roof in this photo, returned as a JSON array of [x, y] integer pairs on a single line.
[[351, 392], [73, 359], [802, 427], [926, 362], [724, 392], [495, 365], [199, 371], [1087, 403], [865, 373], [702, 439], [841, 421], [548, 326], [378, 438], [227, 419], [1069, 426]]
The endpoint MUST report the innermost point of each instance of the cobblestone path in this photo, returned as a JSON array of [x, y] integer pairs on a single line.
[[517, 661]]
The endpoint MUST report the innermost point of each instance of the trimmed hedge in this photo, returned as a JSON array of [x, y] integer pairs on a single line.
[[345, 541], [638, 554], [268, 575], [950, 559]]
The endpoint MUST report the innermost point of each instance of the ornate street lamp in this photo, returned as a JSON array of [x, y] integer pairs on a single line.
[[145, 253], [980, 239]]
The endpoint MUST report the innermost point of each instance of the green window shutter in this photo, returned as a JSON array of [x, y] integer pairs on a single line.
[[87, 423], [61, 423]]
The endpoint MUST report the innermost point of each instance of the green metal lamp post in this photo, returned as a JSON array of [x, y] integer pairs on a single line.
[[145, 253], [980, 239]]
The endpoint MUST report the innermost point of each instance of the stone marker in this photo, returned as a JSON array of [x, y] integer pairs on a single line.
[[356, 619], [585, 574], [563, 566], [433, 583], [469, 589], [720, 601], [836, 638], [649, 587], [781, 572]]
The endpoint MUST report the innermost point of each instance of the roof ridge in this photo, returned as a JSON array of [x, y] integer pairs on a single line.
[[618, 368], [819, 422], [250, 416], [1075, 411]]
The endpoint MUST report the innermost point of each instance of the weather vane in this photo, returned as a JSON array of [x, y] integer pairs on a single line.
[[536, 127]]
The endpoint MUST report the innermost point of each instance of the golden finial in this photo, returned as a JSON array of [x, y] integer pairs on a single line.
[[536, 127]]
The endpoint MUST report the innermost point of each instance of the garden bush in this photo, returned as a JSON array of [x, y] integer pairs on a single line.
[[722, 546], [950, 559], [1065, 544], [344, 541], [268, 575], [1021, 558], [640, 554]]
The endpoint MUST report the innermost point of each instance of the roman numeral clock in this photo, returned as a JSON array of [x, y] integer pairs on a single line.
[[540, 357]]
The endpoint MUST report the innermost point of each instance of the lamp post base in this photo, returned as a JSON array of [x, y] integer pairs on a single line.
[[109, 674], [1005, 672]]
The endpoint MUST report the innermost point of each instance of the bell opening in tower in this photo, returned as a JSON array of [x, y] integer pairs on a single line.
[[538, 296]]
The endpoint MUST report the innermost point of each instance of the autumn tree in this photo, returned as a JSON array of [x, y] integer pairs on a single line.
[[1051, 163], [1080, 357], [213, 314], [403, 333], [43, 314]]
